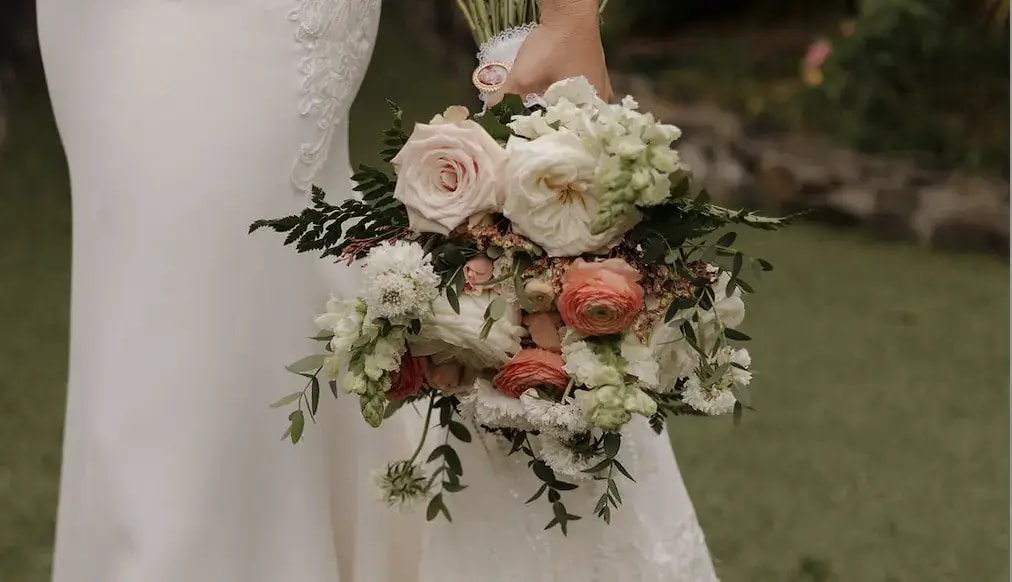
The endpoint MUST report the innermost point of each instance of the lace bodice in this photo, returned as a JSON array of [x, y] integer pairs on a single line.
[[336, 37]]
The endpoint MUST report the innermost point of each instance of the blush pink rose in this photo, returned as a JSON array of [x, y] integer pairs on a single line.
[[600, 298], [477, 271], [544, 328], [407, 381], [532, 369], [446, 377], [447, 173]]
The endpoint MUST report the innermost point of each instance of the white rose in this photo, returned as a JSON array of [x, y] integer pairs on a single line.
[[448, 172], [446, 335], [553, 197]]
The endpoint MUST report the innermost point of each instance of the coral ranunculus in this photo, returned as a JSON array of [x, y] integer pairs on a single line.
[[600, 298], [407, 381], [532, 369]]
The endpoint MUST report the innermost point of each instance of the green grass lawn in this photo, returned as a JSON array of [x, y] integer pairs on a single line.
[[878, 452]]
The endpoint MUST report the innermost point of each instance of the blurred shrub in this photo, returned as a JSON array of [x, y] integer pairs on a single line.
[[928, 77], [662, 17]]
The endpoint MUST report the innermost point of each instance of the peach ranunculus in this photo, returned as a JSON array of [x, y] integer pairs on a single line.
[[600, 298], [448, 172], [532, 369], [407, 381], [544, 329], [446, 377], [477, 271]]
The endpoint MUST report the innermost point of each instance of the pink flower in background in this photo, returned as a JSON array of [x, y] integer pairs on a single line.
[[532, 369], [817, 54], [600, 298], [407, 381]]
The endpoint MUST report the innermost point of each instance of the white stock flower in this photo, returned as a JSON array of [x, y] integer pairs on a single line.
[[384, 358], [584, 365], [446, 335], [399, 280], [355, 384], [553, 195], [640, 361], [531, 126], [610, 407], [575, 90], [448, 172]]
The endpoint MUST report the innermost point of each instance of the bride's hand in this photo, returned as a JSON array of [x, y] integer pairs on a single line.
[[567, 43]]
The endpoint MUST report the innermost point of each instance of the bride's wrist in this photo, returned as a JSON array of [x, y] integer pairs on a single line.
[[575, 15]]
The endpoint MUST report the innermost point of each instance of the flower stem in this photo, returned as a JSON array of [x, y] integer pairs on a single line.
[[425, 429]]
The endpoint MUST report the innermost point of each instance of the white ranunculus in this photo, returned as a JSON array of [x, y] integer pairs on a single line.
[[448, 172], [674, 355], [553, 196], [446, 335], [640, 361]]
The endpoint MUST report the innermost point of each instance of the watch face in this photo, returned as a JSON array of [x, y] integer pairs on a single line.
[[490, 77]]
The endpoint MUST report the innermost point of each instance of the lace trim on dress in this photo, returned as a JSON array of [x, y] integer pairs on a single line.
[[337, 39]]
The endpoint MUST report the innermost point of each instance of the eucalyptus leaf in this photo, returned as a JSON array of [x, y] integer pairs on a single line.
[[460, 431], [543, 471], [307, 364], [497, 309], [727, 239], [286, 400], [733, 334], [298, 423]]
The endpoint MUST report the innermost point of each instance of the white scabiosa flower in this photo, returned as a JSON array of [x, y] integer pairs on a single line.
[[403, 486], [399, 280]]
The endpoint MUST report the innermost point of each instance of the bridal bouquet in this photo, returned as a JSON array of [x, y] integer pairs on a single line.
[[538, 272]]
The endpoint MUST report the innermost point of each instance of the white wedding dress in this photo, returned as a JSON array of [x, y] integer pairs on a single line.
[[183, 121]]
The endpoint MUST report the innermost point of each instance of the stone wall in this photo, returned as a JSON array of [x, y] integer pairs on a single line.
[[797, 171]]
